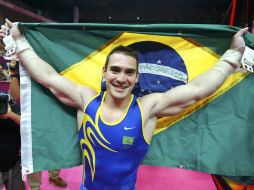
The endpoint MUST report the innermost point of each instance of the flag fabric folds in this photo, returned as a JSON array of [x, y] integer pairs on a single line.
[[214, 135]]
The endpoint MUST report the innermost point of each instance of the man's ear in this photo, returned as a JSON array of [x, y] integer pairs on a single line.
[[103, 72]]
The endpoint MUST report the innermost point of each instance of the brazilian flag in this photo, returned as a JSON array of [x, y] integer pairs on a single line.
[[214, 135]]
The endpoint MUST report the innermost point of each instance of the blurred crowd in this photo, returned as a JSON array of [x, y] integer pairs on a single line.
[[4, 71], [10, 170]]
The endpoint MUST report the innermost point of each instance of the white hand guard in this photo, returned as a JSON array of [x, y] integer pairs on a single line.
[[10, 45], [248, 59]]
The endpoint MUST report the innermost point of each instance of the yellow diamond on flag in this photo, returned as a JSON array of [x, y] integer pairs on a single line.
[[197, 59]]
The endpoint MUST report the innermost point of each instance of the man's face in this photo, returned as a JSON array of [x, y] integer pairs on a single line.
[[120, 75]]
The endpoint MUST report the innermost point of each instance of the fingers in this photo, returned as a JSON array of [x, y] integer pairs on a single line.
[[8, 23], [9, 28], [4, 30], [6, 27], [241, 32]]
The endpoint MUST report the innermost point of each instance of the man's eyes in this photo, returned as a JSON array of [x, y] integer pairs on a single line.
[[130, 72], [116, 70]]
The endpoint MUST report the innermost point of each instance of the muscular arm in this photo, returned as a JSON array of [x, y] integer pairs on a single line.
[[65, 90], [175, 100]]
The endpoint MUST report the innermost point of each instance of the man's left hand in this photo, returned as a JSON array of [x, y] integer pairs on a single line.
[[238, 41]]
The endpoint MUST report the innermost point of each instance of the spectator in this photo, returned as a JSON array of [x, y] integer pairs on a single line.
[[34, 179], [3, 74], [10, 169]]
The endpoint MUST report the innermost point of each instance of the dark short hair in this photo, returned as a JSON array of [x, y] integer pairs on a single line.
[[122, 50]]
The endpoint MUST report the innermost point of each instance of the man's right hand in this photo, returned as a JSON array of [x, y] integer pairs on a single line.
[[14, 30]]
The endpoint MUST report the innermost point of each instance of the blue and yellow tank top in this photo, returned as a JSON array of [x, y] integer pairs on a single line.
[[112, 153]]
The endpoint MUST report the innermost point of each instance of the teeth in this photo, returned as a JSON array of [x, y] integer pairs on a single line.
[[122, 87]]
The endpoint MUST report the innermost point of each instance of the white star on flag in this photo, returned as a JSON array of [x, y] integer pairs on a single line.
[[159, 61]]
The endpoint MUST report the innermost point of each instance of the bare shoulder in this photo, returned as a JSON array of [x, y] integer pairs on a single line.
[[150, 98], [86, 94], [148, 102]]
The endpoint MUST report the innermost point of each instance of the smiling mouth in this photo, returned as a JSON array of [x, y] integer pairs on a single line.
[[120, 87]]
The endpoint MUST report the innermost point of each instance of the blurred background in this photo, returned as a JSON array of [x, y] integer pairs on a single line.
[[228, 12], [238, 13]]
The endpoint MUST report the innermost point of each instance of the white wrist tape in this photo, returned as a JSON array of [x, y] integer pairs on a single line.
[[22, 45], [232, 57], [248, 59], [225, 73]]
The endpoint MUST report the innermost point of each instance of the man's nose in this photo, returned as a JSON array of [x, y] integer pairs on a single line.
[[121, 77]]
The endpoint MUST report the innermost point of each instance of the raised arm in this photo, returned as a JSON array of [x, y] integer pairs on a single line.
[[65, 90], [175, 100]]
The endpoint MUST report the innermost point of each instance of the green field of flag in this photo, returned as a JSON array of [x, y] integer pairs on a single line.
[[214, 135]]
